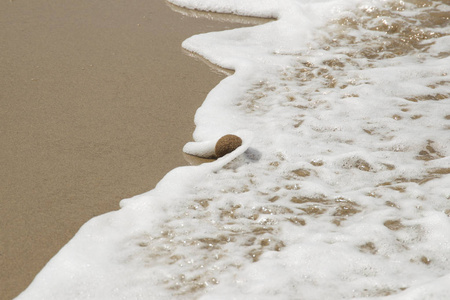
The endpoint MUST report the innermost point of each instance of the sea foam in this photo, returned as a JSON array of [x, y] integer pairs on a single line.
[[340, 190]]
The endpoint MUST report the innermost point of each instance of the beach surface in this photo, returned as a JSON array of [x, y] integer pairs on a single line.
[[97, 100], [339, 189]]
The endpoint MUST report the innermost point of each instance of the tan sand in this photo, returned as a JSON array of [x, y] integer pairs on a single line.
[[97, 101]]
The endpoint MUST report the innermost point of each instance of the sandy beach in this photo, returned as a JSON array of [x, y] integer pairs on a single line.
[[97, 101]]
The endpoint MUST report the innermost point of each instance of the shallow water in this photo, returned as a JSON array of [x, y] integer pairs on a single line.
[[343, 190]]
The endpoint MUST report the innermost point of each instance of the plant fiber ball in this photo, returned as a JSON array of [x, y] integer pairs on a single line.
[[227, 144]]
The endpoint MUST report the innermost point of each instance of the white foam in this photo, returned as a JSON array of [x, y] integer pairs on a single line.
[[340, 190]]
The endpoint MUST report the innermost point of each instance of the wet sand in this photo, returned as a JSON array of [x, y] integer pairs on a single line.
[[97, 101]]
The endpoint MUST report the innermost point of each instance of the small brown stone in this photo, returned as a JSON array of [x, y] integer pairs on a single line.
[[227, 144]]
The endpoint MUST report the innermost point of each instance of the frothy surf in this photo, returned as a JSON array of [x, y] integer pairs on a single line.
[[341, 188]]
